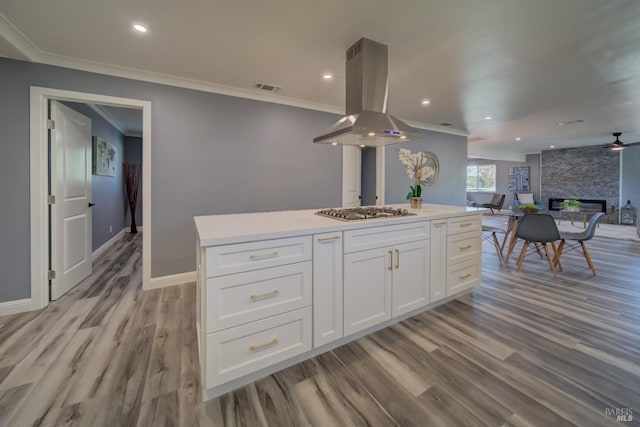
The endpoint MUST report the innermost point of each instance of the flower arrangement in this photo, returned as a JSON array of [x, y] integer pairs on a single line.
[[422, 167], [572, 205]]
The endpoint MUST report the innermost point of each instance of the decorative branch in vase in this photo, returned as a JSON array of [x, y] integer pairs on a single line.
[[423, 168], [131, 183]]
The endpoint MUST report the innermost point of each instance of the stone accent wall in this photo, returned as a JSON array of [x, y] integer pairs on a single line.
[[581, 173]]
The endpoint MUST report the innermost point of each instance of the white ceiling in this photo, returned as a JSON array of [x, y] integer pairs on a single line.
[[528, 64]]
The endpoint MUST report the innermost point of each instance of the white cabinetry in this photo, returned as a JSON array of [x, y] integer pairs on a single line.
[[386, 273], [327, 288], [438, 273], [464, 251], [258, 306]]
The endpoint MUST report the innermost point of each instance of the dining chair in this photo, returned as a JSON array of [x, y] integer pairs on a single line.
[[578, 240], [539, 229], [496, 202], [491, 236]]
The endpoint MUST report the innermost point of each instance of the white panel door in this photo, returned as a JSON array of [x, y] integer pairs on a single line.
[[351, 176], [367, 289], [71, 186], [410, 276]]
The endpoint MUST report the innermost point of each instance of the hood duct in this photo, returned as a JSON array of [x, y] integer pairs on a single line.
[[366, 122]]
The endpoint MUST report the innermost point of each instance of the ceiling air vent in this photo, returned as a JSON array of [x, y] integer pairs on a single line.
[[446, 124], [476, 139], [268, 88]]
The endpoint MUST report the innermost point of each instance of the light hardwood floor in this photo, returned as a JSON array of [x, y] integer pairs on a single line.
[[524, 349]]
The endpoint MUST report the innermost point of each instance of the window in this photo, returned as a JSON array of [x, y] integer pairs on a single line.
[[481, 178]]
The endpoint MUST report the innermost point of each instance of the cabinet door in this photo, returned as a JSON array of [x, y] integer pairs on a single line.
[[327, 288], [410, 276], [438, 256], [367, 288]]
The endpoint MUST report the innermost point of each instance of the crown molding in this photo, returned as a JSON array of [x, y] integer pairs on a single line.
[[100, 110], [23, 48]]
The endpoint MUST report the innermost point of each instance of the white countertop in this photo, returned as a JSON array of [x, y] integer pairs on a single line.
[[216, 230]]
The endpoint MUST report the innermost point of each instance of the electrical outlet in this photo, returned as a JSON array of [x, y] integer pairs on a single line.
[[110, 229]]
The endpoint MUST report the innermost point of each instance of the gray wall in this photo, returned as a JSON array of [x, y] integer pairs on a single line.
[[211, 154], [133, 154], [450, 187], [106, 190], [630, 158], [502, 181], [581, 173]]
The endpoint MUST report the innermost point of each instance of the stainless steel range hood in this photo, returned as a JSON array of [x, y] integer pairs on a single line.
[[366, 122]]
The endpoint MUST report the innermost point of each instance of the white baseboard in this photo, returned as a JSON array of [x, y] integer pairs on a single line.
[[172, 280], [13, 307], [106, 245]]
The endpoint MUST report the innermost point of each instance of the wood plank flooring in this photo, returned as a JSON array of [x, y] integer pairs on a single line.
[[524, 349]]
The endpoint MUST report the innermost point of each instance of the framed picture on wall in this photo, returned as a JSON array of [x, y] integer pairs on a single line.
[[105, 157], [519, 178]]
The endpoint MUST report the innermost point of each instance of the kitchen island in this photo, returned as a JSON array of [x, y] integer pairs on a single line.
[[276, 288]]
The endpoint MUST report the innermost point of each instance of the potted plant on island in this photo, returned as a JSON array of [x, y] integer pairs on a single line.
[[529, 208], [423, 168]]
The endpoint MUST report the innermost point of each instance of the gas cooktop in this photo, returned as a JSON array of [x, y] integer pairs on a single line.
[[354, 214]]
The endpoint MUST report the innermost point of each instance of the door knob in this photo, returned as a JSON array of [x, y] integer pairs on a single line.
[[91, 204]]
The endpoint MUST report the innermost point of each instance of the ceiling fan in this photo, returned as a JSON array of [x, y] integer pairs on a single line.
[[618, 145]]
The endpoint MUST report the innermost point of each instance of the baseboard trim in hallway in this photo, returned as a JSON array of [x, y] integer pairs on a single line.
[[171, 280], [13, 307]]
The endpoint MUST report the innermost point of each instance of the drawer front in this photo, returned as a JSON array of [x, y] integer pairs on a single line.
[[239, 351], [229, 259], [463, 276], [377, 237], [464, 224], [463, 247], [245, 297]]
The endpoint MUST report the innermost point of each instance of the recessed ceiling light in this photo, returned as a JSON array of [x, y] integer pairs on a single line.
[[518, 139], [560, 123], [403, 136], [362, 145], [488, 118], [140, 28], [334, 143], [327, 76], [552, 146], [426, 102], [371, 133]]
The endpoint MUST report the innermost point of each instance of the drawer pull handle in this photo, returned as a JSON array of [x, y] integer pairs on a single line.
[[267, 295], [324, 239], [468, 224], [466, 276], [390, 260], [264, 256], [397, 258], [265, 345], [464, 248], [439, 224]]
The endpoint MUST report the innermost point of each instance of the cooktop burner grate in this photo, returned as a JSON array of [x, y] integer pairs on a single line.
[[355, 214]]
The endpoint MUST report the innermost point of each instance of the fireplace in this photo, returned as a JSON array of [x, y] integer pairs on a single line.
[[588, 205]]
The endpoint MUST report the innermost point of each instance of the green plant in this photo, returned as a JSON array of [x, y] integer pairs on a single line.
[[573, 203], [529, 207]]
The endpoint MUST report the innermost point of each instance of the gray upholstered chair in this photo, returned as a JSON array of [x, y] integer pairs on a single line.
[[578, 240], [539, 228], [497, 201]]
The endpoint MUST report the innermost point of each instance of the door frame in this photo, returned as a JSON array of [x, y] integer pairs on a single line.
[[39, 180], [380, 177]]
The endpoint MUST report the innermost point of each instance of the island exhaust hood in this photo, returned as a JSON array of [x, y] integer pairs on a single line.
[[366, 122]]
